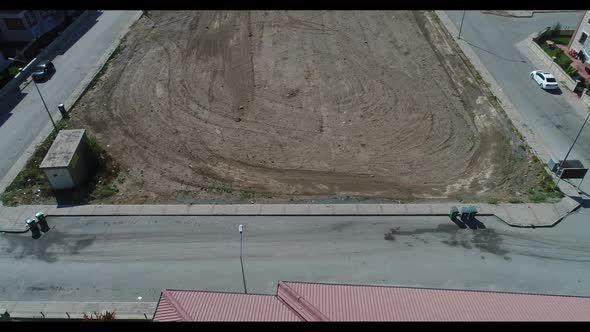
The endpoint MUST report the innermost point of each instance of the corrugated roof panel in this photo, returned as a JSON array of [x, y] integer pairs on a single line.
[[165, 311], [215, 306], [380, 303]]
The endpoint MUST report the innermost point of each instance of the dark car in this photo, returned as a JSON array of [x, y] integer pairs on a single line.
[[43, 70]]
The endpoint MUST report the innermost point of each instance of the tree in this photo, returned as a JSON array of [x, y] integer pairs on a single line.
[[555, 29]]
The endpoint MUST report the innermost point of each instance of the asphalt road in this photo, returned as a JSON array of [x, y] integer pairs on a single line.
[[22, 115], [123, 258], [549, 115]]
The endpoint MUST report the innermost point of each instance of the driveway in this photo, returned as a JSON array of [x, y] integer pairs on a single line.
[[123, 258], [549, 115], [22, 115]]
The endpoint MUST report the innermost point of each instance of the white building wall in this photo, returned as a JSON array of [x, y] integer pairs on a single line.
[[584, 28]]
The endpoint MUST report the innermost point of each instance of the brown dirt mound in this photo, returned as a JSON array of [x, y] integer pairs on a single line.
[[299, 103]]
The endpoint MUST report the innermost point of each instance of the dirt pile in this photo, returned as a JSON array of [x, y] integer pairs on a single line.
[[204, 104]]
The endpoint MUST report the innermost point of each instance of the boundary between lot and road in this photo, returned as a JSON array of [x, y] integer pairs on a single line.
[[536, 145], [515, 215], [522, 13], [74, 96]]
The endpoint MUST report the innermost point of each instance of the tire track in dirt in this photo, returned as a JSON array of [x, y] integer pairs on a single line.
[[298, 103]]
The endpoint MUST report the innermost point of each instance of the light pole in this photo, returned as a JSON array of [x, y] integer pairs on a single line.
[[43, 100], [461, 26], [570, 150], [241, 229]]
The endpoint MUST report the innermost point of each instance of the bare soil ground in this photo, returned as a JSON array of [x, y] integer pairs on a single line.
[[215, 105]]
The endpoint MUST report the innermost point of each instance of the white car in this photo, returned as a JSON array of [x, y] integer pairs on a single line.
[[544, 79]]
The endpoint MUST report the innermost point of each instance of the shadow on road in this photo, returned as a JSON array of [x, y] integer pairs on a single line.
[[492, 53], [582, 201], [11, 100], [47, 248], [459, 223], [9, 103], [83, 27], [556, 92]]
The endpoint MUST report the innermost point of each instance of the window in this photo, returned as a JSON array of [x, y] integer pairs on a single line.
[[14, 24], [583, 38], [541, 76], [551, 80]]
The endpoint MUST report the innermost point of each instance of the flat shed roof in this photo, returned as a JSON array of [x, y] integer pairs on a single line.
[[63, 148]]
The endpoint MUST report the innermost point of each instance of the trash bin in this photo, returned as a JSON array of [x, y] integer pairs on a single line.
[[36, 233], [62, 110]]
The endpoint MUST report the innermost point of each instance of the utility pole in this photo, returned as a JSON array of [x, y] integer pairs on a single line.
[[461, 27], [570, 150], [43, 100], [241, 229]]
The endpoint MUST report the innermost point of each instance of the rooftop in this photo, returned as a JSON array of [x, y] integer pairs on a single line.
[[63, 148], [296, 301]]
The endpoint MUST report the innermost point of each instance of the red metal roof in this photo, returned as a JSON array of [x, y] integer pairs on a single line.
[[296, 301], [179, 305], [379, 303]]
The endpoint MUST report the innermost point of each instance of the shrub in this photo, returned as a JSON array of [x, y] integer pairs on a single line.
[[564, 61]]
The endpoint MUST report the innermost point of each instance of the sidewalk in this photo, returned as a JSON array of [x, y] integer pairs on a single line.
[[70, 101], [52, 309], [517, 215]]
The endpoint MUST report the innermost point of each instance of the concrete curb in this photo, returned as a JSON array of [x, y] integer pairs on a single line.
[[524, 13], [506, 213], [21, 162]]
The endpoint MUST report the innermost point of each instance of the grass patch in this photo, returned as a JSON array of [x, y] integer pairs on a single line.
[[31, 185], [8, 198], [105, 190], [563, 40], [223, 189], [493, 200], [249, 194], [546, 190], [560, 57], [31, 181]]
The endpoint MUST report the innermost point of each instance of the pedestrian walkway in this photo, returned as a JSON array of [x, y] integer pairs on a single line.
[[76, 310], [518, 215]]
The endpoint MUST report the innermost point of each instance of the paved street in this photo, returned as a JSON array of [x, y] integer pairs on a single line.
[[123, 258], [22, 116], [553, 119]]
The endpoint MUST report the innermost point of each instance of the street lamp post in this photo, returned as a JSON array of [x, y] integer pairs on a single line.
[[45, 105], [241, 229], [461, 27], [570, 150]]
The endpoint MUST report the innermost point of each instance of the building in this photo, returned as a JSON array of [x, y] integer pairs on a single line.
[[25, 25], [580, 38], [66, 162], [302, 301]]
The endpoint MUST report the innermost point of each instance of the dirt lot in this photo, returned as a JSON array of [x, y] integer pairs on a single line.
[[219, 105]]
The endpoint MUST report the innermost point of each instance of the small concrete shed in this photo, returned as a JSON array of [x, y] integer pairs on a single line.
[[65, 164]]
